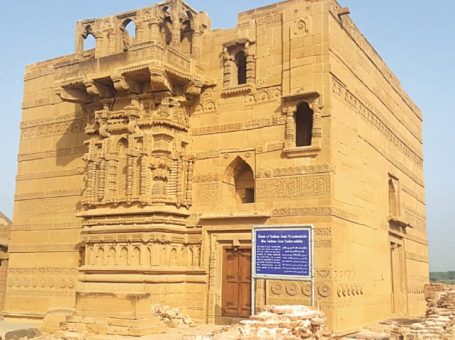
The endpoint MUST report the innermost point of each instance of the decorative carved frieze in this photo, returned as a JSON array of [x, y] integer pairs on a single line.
[[45, 226], [264, 96], [51, 174], [51, 154], [252, 124], [48, 194], [376, 120], [42, 248], [315, 211], [55, 282], [294, 171], [293, 187]]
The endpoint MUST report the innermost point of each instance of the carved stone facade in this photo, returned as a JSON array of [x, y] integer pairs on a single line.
[[145, 162]]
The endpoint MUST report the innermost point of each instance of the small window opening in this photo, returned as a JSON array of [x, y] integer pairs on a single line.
[[129, 33], [89, 42], [240, 62], [186, 38], [393, 198], [244, 183], [166, 31], [304, 125]]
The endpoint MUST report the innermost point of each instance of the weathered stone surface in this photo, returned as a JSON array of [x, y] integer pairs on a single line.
[[145, 162], [274, 323], [16, 334]]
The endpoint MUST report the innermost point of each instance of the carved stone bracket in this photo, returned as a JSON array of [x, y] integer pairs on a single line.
[[123, 83], [95, 88], [73, 92]]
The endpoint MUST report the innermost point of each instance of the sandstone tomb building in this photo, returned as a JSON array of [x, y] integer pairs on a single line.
[[145, 162]]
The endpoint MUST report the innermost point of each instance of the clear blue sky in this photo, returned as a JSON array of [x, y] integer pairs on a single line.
[[414, 37]]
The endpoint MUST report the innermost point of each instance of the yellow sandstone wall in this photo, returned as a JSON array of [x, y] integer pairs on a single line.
[[44, 254], [376, 135]]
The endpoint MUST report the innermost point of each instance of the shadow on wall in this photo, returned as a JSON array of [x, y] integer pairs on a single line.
[[70, 146]]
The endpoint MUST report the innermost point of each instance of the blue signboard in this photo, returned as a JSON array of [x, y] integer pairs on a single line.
[[284, 252]]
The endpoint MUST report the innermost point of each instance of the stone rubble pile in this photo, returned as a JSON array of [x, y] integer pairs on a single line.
[[439, 319], [172, 317], [278, 323]]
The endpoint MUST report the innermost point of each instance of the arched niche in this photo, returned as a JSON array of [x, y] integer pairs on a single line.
[[128, 29], [86, 39], [238, 183]]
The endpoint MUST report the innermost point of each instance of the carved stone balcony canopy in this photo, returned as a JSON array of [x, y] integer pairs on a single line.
[[147, 68]]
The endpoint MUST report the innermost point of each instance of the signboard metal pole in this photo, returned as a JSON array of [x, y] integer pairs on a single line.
[[313, 299]]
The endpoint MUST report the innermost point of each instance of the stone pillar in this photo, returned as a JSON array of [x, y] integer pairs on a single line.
[[112, 178], [180, 176], [227, 61], [189, 181], [140, 32], [173, 179], [290, 127], [196, 48], [101, 179], [145, 181], [99, 49], [250, 65], [91, 182], [155, 35], [112, 42], [317, 128], [130, 177]]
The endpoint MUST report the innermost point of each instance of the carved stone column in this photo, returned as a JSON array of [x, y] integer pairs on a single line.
[[112, 41], [140, 32], [196, 48], [189, 181], [112, 178], [227, 61], [145, 179], [180, 176], [250, 65], [130, 177], [89, 195], [173, 179], [90, 159], [155, 36], [100, 41], [101, 179], [317, 128], [290, 126]]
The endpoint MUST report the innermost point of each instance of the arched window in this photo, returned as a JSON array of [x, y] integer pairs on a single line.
[[393, 198], [89, 40], [166, 31], [239, 183], [186, 38], [304, 125], [240, 63], [129, 33]]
